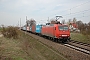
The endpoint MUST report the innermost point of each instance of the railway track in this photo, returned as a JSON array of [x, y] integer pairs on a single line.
[[79, 46], [64, 49], [81, 43]]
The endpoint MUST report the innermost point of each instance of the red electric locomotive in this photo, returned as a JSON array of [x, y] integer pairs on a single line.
[[57, 32]]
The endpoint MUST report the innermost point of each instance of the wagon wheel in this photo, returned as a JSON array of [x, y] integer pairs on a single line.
[[53, 39]]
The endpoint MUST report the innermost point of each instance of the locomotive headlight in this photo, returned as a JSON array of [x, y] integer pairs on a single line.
[[64, 35]]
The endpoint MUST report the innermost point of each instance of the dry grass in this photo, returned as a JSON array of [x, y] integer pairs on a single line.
[[25, 48], [10, 32], [80, 37]]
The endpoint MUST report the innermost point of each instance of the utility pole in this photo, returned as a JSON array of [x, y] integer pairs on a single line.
[[48, 20], [20, 23], [26, 21], [26, 18]]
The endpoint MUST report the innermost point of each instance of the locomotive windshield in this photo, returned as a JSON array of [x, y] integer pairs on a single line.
[[63, 27]]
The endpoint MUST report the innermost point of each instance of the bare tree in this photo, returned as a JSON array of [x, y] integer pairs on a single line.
[[89, 24], [74, 20], [30, 22], [89, 27], [79, 24], [69, 21]]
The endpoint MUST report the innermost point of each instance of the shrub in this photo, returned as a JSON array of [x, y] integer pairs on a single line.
[[10, 32]]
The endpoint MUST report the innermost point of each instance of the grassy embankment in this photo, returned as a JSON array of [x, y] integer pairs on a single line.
[[80, 37], [25, 48]]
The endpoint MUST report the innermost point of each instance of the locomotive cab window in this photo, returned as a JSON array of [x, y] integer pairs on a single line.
[[63, 27]]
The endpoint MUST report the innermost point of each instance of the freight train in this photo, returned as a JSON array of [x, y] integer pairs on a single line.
[[55, 32]]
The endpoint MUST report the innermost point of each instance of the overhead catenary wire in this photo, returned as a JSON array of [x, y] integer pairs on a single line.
[[76, 6], [71, 13], [80, 5], [77, 12]]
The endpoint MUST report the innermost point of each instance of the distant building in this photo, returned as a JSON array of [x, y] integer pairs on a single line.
[[73, 27]]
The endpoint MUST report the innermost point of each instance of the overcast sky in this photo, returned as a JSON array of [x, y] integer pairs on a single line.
[[12, 10]]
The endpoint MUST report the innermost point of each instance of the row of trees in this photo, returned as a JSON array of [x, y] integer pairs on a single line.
[[83, 27], [74, 20]]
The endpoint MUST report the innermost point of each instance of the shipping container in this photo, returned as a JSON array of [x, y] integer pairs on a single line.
[[24, 28], [38, 28], [28, 29], [33, 28]]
